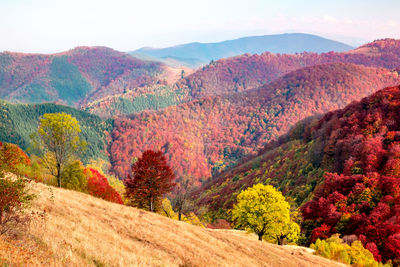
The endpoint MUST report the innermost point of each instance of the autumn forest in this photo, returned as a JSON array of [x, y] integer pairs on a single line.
[[296, 148]]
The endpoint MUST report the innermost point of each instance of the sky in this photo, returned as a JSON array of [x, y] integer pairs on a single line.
[[49, 26]]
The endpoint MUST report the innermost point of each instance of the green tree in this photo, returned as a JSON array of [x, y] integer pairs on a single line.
[[264, 210], [58, 141]]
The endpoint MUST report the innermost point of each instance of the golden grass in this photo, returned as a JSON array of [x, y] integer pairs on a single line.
[[81, 230]]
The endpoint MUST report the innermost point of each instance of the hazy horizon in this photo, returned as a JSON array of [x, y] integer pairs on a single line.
[[46, 26]]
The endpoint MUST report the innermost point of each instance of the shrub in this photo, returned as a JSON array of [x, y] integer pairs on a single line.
[[14, 195], [73, 177], [98, 186], [12, 159], [14, 199], [335, 249]]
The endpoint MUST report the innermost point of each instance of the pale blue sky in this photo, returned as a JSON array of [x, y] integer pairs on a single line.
[[48, 26]]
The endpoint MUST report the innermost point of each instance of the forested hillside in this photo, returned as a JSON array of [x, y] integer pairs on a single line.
[[19, 121], [247, 71], [206, 135], [100, 78], [236, 74], [150, 97], [343, 168], [73, 77]]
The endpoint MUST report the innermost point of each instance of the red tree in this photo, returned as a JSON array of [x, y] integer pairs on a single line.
[[152, 178]]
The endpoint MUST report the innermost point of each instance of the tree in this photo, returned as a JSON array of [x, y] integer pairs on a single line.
[[151, 179], [181, 201], [58, 141], [264, 210]]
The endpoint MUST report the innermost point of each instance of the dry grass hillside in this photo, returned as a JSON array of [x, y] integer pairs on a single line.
[[80, 230]]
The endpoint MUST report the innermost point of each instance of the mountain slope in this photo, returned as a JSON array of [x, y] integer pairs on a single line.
[[206, 135], [359, 139], [343, 168], [97, 77], [237, 74], [72, 77], [197, 54], [80, 230], [247, 72], [18, 121]]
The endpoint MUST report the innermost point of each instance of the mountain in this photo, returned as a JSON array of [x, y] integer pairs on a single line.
[[237, 74], [107, 82], [343, 169], [206, 135], [196, 54], [74, 77], [246, 72], [81, 230], [19, 121]]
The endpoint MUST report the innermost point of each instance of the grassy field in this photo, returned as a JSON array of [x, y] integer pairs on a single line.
[[80, 230]]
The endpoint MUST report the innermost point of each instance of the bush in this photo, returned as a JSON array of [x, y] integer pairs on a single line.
[[73, 177], [165, 209], [14, 199], [12, 159], [14, 195], [335, 249], [101, 165], [98, 186]]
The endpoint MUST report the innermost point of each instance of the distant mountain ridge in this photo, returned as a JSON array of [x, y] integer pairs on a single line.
[[197, 54]]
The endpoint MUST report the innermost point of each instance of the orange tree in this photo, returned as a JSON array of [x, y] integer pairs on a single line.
[[151, 179]]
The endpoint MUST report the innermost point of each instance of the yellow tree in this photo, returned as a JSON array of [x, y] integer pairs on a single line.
[[58, 141], [264, 210]]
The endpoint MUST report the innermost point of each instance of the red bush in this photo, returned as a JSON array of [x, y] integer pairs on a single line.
[[98, 186]]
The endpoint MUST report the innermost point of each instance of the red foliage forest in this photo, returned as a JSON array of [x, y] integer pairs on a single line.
[[347, 162], [206, 135], [251, 71], [18, 69], [362, 143], [111, 72], [27, 77]]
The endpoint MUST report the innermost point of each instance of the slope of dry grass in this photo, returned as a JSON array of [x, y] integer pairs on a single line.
[[81, 230]]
